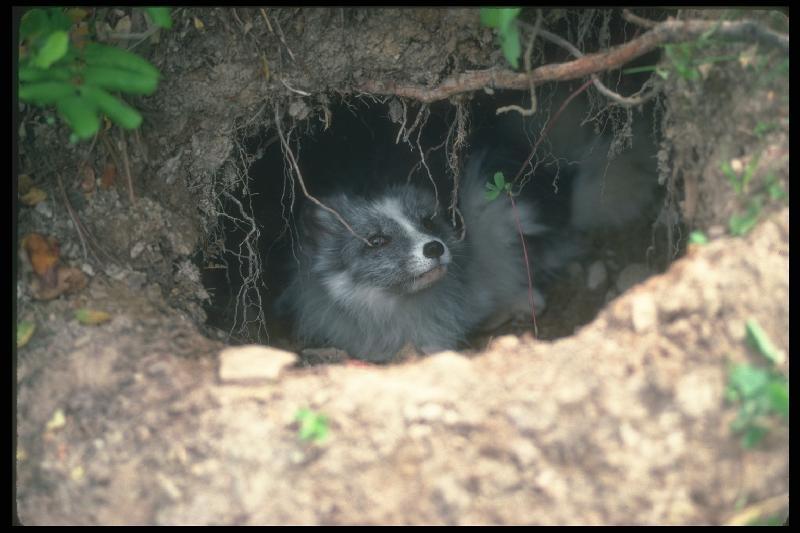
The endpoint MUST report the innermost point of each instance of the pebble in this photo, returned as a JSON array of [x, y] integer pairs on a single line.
[[253, 363]]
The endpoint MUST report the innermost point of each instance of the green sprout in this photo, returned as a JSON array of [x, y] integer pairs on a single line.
[[763, 393], [500, 185], [313, 426]]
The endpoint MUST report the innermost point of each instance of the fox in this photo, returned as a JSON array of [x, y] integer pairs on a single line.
[[412, 278]]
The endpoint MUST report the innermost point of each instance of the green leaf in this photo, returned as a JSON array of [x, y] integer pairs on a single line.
[[81, 114], [33, 22], [759, 340], [313, 426], [492, 194], [698, 237], [115, 79], [511, 46], [498, 17], [29, 73], [161, 16], [776, 192], [100, 55], [748, 380], [118, 111], [742, 224], [752, 436], [499, 180], [46, 92], [778, 394], [54, 48]]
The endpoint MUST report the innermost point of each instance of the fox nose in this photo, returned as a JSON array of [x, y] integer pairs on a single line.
[[433, 249]]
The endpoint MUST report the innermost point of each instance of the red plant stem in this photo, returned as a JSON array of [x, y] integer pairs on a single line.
[[549, 126], [527, 267]]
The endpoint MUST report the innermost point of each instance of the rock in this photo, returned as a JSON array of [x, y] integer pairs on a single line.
[[253, 363], [644, 313], [631, 275], [596, 276]]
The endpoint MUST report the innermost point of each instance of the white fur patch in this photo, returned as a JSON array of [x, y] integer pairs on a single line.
[[392, 209], [342, 289]]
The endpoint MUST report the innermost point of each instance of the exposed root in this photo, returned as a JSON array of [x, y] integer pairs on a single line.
[[287, 152], [670, 31]]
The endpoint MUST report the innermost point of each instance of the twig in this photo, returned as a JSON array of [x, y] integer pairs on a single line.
[[767, 507], [126, 163], [670, 31], [283, 41], [627, 101], [639, 21], [83, 233], [298, 91], [548, 127], [266, 19], [288, 152]]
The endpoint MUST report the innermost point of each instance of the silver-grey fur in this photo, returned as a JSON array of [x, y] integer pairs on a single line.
[[373, 300]]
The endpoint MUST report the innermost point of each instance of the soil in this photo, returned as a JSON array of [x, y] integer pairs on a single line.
[[610, 417]]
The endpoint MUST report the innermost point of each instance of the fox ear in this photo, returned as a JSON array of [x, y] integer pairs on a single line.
[[316, 222]]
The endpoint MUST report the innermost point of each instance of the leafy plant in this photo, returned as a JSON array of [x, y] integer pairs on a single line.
[[504, 21], [763, 393], [698, 237], [500, 185], [313, 426], [59, 66], [740, 224]]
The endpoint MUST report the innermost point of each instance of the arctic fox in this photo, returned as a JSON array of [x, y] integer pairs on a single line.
[[413, 280]]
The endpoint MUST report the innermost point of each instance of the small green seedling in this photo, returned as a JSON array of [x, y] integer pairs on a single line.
[[740, 225], [762, 393], [313, 426], [698, 237], [758, 340], [504, 20], [500, 185]]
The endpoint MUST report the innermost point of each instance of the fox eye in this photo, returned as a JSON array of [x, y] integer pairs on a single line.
[[428, 222], [378, 240]]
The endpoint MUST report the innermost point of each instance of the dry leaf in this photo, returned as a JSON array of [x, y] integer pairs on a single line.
[[25, 331], [77, 473], [748, 56], [91, 317], [68, 280], [33, 196], [43, 255], [123, 25], [76, 14], [80, 35], [198, 24], [88, 181], [57, 421], [24, 183], [108, 177]]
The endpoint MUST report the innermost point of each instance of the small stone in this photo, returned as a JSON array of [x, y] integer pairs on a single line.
[[644, 313], [596, 276], [253, 363], [137, 249], [631, 275]]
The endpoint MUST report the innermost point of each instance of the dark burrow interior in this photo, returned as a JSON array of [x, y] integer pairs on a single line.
[[363, 150]]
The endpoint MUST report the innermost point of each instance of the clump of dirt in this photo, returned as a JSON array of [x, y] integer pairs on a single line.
[[137, 421]]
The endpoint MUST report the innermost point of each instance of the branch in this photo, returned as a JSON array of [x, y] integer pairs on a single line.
[[668, 32]]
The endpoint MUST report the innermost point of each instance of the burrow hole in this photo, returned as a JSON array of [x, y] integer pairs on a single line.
[[623, 220]]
